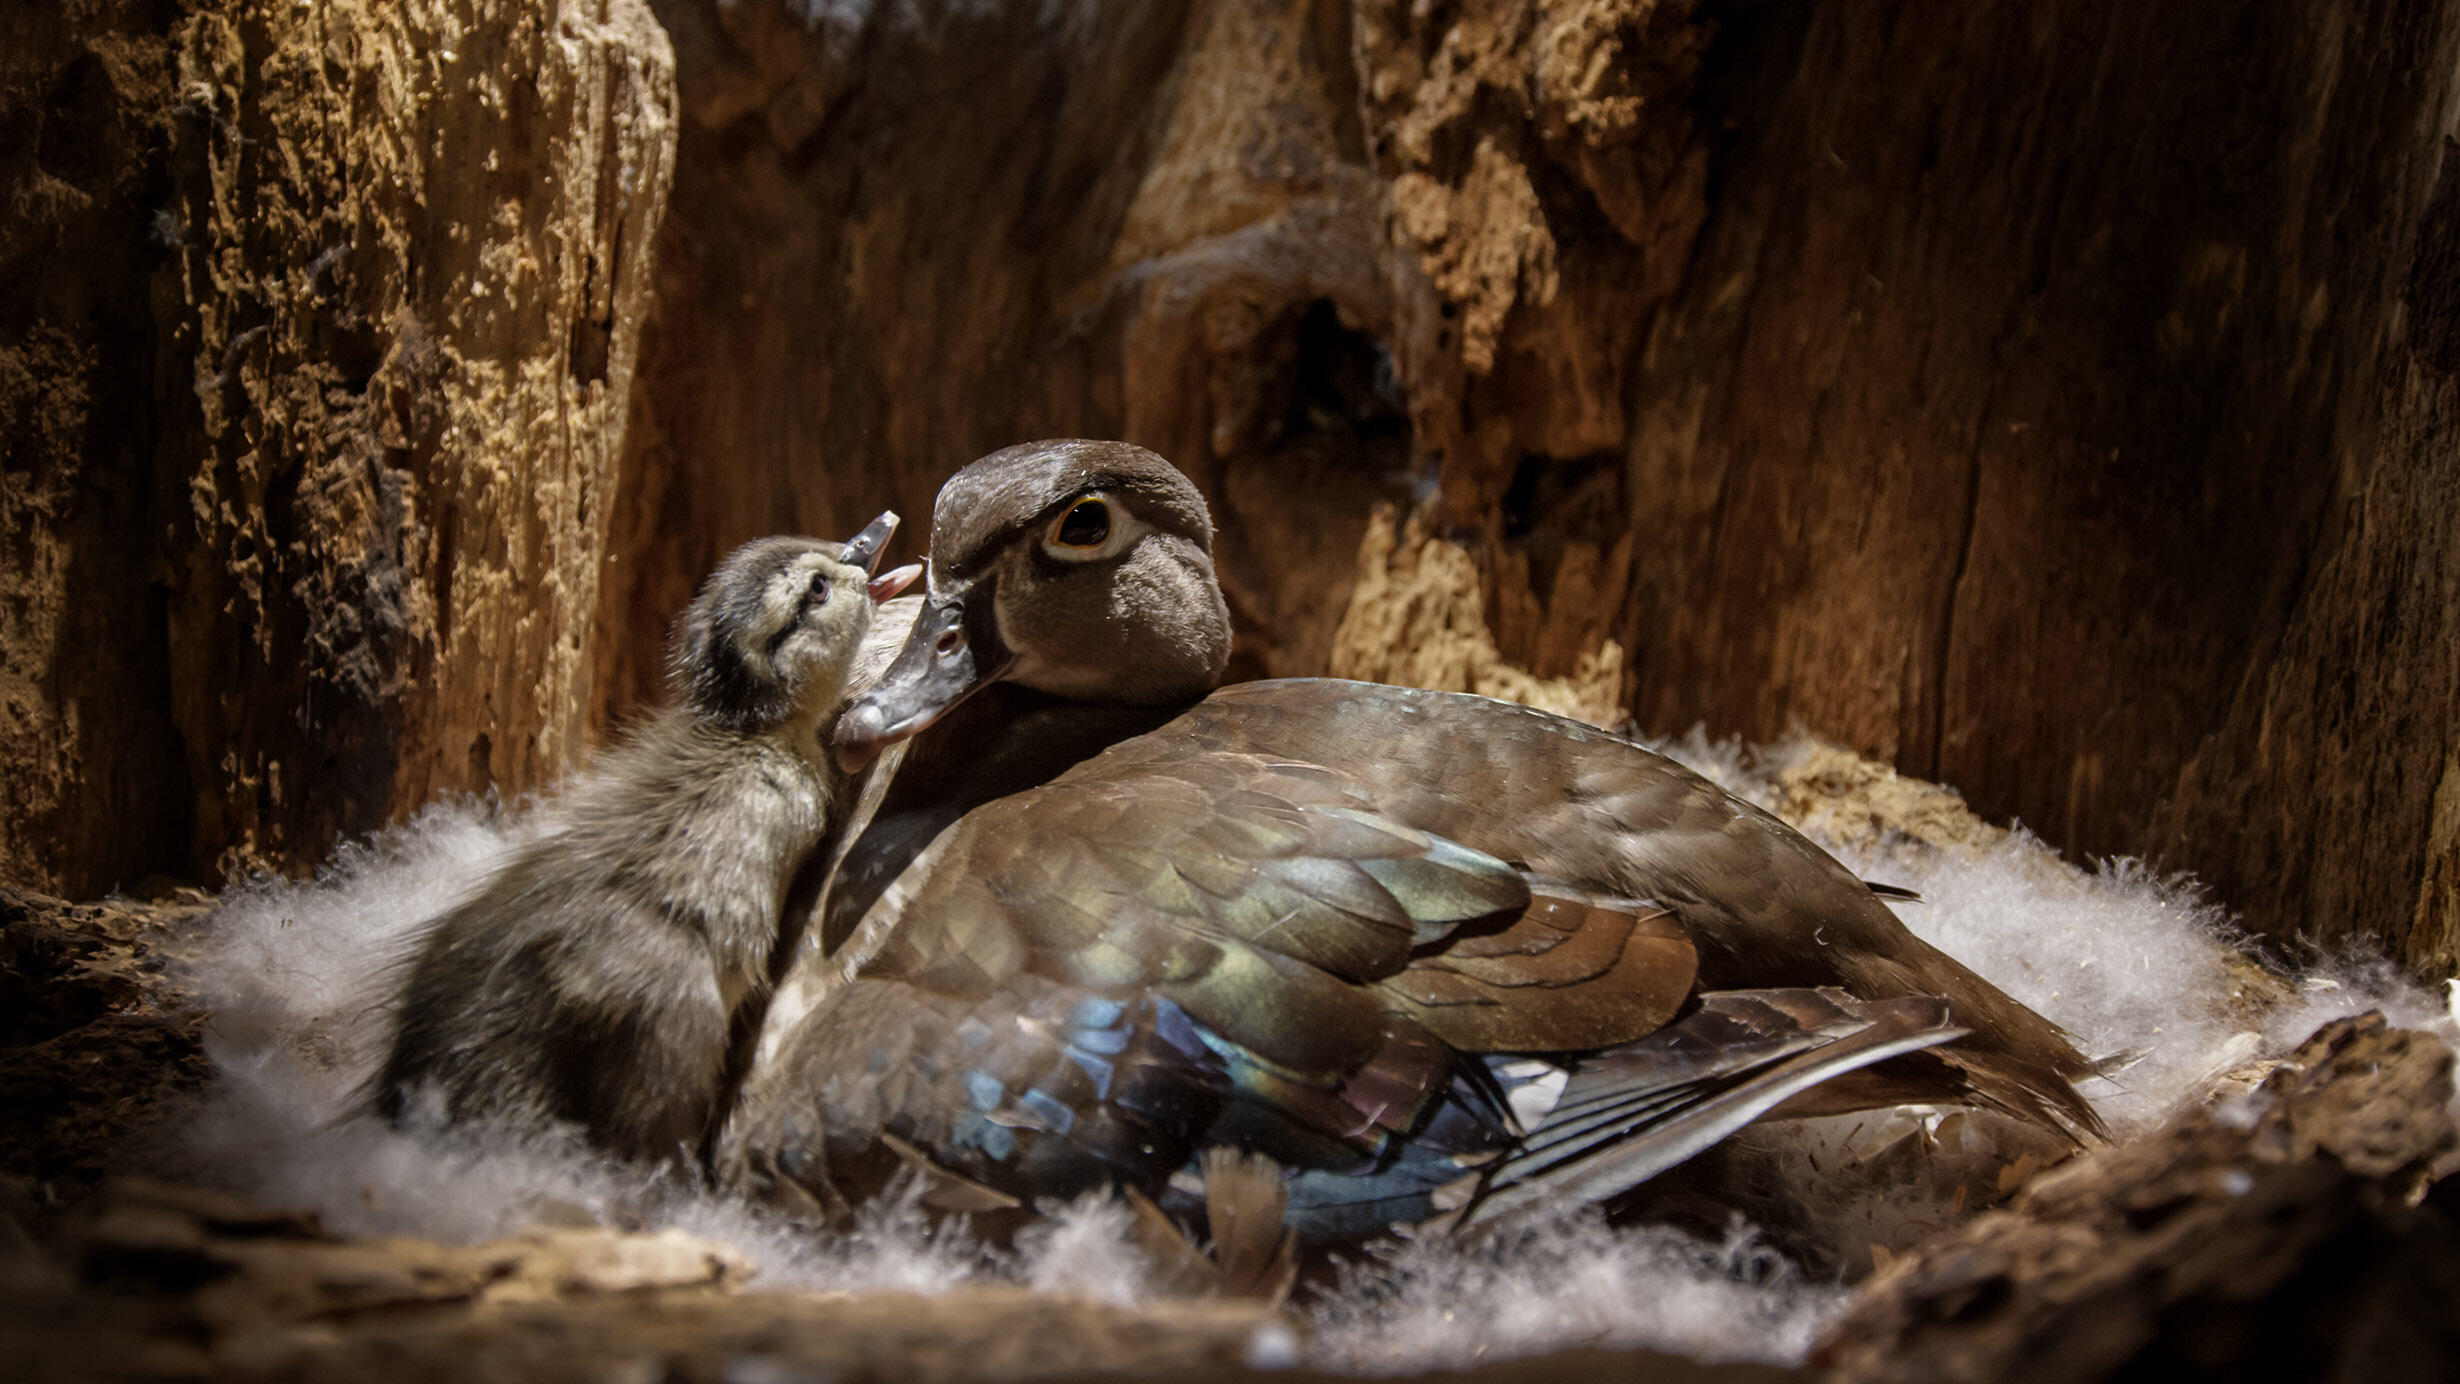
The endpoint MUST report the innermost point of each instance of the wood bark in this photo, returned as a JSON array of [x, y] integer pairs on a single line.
[[415, 246], [906, 235], [2053, 400], [2046, 409], [318, 342], [2056, 402], [176, 1283], [2288, 1235], [92, 783]]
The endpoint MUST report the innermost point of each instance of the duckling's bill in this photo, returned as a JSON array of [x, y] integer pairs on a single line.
[[865, 550]]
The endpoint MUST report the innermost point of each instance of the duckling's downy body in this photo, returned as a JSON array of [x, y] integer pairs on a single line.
[[1441, 956], [596, 979]]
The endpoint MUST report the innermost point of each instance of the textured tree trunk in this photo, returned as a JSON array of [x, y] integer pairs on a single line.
[[2054, 405], [907, 235], [415, 246], [321, 321], [93, 789], [2055, 400]]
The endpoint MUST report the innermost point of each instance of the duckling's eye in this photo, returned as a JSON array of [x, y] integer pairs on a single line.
[[818, 592], [1085, 525]]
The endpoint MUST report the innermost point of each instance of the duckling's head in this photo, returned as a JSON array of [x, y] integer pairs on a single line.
[[773, 632], [1080, 569]]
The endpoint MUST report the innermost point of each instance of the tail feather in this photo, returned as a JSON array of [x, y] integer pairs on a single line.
[[1639, 1110], [1246, 1208], [1954, 1075], [1574, 1137], [2015, 1061], [1994, 1083], [1731, 1032]]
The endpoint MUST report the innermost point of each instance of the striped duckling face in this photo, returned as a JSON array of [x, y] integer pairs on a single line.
[[773, 632]]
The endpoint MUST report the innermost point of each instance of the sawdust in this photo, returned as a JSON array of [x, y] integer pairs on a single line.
[[1417, 618]]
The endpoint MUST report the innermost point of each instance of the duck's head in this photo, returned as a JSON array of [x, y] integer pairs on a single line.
[[1083, 570], [772, 633]]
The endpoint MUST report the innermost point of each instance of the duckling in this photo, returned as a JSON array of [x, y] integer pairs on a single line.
[[1440, 955], [600, 979]]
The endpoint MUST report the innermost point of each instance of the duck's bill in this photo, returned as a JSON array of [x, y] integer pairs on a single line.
[[940, 666], [865, 549]]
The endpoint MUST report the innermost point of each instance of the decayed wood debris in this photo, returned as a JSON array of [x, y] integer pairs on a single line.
[[91, 1045], [2293, 1232], [176, 1283], [173, 1283], [2297, 1224]]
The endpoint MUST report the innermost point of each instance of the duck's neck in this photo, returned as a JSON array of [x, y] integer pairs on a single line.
[[1004, 739], [1007, 738]]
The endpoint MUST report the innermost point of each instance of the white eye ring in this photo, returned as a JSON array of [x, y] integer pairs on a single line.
[[1117, 529]]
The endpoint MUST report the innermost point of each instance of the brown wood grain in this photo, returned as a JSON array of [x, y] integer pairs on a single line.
[[2054, 400], [2038, 414], [2024, 395]]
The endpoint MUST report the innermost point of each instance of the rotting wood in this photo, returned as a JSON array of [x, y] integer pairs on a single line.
[[96, 1049], [2288, 1232], [1860, 368], [195, 1282], [2094, 473], [92, 792], [414, 248]]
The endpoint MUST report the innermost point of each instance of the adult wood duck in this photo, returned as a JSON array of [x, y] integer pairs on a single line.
[[1440, 956]]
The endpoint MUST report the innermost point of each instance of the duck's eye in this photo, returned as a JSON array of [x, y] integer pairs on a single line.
[[1085, 525], [818, 592], [1090, 529]]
